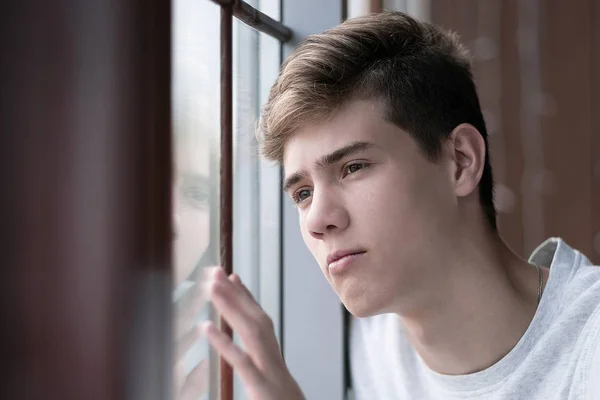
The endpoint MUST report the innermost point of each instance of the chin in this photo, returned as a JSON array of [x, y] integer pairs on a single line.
[[362, 309], [361, 300]]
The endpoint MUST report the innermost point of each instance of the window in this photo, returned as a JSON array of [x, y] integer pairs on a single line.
[[211, 102], [195, 103], [256, 185]]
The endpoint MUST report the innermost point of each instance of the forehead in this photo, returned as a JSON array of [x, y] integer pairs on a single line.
[[192, 153], [359, 121]]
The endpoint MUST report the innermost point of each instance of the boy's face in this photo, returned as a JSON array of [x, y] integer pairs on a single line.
[[385, 201], [191, 208]]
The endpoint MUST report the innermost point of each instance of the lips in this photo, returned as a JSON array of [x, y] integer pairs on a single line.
[[336, 255]]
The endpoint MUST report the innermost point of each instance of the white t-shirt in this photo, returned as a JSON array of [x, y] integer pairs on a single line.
[[558, 357]]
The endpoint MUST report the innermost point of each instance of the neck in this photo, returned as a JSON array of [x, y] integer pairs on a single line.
[[479, 306]]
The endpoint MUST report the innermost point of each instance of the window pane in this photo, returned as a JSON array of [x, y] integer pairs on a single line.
[[269, 286], [270, 7], [257, 188], [196, 110], [245, 114]]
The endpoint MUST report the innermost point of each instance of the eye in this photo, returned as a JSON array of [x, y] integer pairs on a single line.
[[197, 196], [352, 168], [300, 195]]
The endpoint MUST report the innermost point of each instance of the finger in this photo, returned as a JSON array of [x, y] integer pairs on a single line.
[[196, 383], [188, 309], [235, 296], [236, 280], [246, 318], [235, 357]]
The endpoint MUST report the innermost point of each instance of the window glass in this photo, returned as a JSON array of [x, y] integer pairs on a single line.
[[257, 188], [196, 129]]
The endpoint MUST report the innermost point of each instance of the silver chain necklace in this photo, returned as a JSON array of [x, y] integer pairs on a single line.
[[540, 283]]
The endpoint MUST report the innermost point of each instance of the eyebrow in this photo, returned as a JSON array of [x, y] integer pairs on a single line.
[[329, 159], [194, 178]]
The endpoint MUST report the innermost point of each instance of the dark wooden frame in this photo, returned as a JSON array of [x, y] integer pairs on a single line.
[[257, 20], [86, 161]]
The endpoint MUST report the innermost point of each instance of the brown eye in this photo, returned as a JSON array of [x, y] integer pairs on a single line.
[[352, 168], [301, 195]]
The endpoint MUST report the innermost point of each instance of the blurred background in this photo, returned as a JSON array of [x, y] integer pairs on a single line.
[[119, 188], [537, 68]]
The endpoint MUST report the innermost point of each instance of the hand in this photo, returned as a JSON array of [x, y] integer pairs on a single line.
[[187, 333], [261, 366]]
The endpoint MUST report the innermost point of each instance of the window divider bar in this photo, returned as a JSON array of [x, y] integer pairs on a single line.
[[258, 20], [226, 177]]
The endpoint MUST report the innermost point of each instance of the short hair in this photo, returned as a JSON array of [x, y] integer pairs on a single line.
[[420, 74]]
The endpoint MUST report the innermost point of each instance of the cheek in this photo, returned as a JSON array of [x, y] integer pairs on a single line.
[[195, 229], [380, 199], [397, 207], [193, 237]]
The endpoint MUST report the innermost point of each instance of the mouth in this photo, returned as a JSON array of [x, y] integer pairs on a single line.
[[340, 260]]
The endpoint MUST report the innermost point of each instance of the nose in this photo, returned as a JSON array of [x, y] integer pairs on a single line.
[[326, 215]]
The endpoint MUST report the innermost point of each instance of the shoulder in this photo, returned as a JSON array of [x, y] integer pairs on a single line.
[[592, 366], [578, 279], [582, 291], [584, 298]]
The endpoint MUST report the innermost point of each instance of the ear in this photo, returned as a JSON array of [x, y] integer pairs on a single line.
[[468, 154]]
